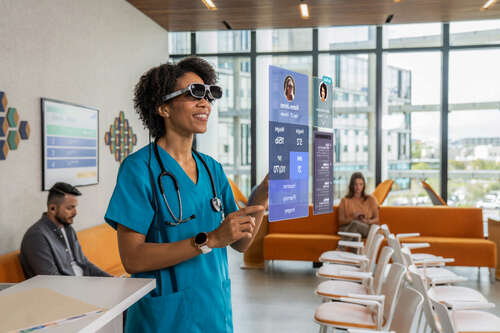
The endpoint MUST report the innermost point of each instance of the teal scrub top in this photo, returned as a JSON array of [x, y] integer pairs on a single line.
[[202, 302]]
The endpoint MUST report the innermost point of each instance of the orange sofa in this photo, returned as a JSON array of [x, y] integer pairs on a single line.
[[99, 244], [452, 232]]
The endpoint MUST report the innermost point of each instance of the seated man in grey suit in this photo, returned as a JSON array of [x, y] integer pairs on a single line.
[[50, 246]]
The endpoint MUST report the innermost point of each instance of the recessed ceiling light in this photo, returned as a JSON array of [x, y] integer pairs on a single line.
[[304, 10], [488, 4], [209, 4]]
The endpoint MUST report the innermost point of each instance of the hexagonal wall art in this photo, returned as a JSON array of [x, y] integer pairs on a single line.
[[120, 138], [4, 150], [3, 101], [12, 130], [13, 139], [12, 117], [24, 130], [4, 126]]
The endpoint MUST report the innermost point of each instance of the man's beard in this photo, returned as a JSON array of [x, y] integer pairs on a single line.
[[63, 222]]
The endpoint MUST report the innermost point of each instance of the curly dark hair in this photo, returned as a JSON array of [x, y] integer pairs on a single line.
[[159, 82]]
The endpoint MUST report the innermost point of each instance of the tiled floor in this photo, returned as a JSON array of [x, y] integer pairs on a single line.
[[281, 299]]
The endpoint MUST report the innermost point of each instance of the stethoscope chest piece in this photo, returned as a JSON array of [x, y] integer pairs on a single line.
[[216, 204]]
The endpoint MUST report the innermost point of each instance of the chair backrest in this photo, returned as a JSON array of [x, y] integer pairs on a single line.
[[394, 244], [435, 198], [382, 190], [390, 289], [383, 261], [407, 311], [407, 258], [444, 318], [370, 238], [384, 229], [240, 198], [418, 283], [372, 258]]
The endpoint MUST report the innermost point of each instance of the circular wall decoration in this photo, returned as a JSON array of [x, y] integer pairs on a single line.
[[120, 138], [12, 130]]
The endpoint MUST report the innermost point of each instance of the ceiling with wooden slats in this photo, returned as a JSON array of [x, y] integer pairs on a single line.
[[192, 15]]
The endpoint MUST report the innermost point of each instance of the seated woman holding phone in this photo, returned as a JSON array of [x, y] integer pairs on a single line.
[[357, 210]]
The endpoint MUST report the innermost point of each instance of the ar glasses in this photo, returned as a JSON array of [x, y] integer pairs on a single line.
[[199, 91]]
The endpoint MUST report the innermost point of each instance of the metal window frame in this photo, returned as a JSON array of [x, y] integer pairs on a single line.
[[379, 51]]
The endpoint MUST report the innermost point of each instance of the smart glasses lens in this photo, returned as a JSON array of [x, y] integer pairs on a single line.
[[216, 92], [199, 90]]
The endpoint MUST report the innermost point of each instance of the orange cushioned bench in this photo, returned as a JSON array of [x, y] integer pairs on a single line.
[[99, 244], [301, 239], [452, 233]]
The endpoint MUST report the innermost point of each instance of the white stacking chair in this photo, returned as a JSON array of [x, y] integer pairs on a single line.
[[368, 311], [345, 257], [435, 275], [436, 327], [450, 294], [406, 315], [416, 256], [349, 272], [335, 289], [461, 319]]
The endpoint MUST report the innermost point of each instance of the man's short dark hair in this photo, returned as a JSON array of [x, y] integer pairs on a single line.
[[59, 190]]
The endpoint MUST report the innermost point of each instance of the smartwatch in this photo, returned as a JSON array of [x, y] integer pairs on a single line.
[[200, 241]]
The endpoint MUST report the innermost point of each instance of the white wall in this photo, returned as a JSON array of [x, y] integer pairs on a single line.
[[89, 52]]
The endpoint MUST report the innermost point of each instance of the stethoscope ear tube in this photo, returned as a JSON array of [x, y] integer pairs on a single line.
[[215, 202]]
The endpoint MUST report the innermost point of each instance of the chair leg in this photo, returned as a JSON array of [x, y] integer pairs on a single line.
[[323, 328], [492, 275]]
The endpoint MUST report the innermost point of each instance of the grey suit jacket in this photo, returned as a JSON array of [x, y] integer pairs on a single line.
[[43, 251]]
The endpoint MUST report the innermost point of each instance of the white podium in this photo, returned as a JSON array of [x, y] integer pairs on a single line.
[[114, 294]]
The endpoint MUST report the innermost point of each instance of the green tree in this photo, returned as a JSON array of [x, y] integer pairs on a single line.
[[421, 166], [456, 165]]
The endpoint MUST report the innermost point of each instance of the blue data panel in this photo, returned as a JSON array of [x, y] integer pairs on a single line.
[[71, 142], [288, 145], [70, 163], [68, 152]]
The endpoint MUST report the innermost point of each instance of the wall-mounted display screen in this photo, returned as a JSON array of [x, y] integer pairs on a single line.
[[70, 144]]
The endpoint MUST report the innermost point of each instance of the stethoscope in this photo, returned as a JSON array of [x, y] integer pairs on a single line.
[[215, 202]]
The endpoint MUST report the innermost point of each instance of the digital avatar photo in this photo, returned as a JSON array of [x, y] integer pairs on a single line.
[[289, 88], [323, 91]]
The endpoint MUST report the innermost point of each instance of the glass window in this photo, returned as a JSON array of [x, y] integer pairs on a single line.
[[410, 125], [412, 35], [354, 120], [228, 135], [179, 43], [284, 40], [301, 64], [347, 38], [222, 41], [475, 32], [473, 129]]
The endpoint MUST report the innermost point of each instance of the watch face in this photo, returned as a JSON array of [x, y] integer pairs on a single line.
[[201, 238]]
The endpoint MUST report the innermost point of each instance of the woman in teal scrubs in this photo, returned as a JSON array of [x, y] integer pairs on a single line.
[[178, 237]]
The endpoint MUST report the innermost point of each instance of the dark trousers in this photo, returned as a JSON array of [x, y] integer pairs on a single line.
[[356, 226]]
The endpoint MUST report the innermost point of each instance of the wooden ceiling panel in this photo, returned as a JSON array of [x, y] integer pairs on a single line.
[[192, 15]]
